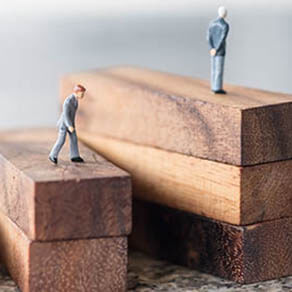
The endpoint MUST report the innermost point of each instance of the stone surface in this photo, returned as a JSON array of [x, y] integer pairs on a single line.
[[147, 275]]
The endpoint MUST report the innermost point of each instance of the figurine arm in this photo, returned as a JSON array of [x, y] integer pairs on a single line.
[[66, 110], [209, 40], [223, 37]]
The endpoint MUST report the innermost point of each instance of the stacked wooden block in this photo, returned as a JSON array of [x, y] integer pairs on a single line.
[[65, 227], [211, 173]]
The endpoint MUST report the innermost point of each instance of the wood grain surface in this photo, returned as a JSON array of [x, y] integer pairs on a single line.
[[181, 114], [67, 201], [245, 254], [233, 194], [91, 265]]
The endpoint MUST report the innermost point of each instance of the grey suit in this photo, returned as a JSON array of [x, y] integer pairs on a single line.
[[67, 120], [217, 34]]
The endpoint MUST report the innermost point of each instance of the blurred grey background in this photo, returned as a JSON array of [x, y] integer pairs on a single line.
[[41, 40]]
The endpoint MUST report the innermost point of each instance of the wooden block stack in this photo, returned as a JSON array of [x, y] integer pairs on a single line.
[[211, 173], [65, 227]]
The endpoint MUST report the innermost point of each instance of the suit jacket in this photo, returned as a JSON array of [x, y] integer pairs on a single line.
[[217, 34], [70, 107]]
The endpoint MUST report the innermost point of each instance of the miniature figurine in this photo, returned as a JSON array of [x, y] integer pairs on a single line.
[[66, 124], [217, 34]]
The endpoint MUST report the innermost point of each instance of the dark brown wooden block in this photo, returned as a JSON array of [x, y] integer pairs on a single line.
[[91, 265], [181, 114], [244, 254], [229, 193], [67, 201]]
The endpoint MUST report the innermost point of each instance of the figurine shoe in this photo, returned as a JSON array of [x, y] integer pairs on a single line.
[[77, 159], [220, 91], [53, 159]]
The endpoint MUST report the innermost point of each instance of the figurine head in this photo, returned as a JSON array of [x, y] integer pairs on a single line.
[[222, 12], [79, 91]]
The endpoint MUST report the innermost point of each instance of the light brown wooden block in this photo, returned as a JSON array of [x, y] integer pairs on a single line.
[[181, 114], [91, 265], [237, 195], [67, 201], [245, 254]]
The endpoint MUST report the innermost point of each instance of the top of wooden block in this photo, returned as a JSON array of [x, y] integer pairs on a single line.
[[28, 151], [66, 201], [181, 114], [172, 84]]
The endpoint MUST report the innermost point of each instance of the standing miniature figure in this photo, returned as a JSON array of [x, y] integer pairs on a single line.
[[66, 124], [217, 34]]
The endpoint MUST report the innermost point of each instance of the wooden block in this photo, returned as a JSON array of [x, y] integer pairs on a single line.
[[233, 194], [90, 265], [67, 201], [181, 114], [244, 254]]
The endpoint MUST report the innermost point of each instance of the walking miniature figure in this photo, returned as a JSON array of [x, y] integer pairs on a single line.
[[217, 34], [66, 125]]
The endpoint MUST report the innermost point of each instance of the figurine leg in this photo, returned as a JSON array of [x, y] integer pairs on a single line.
[[59, 143], [74, 150], [218, 67], [213, 69]]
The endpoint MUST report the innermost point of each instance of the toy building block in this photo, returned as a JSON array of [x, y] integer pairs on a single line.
[[181, 114], [70, 201], [244, 254], [233, 194], [73, 265]]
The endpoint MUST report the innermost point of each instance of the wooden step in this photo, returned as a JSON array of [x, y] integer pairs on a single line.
[[67, 201], [237, 195], [91, 265], [244, 254], [181, 114]]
